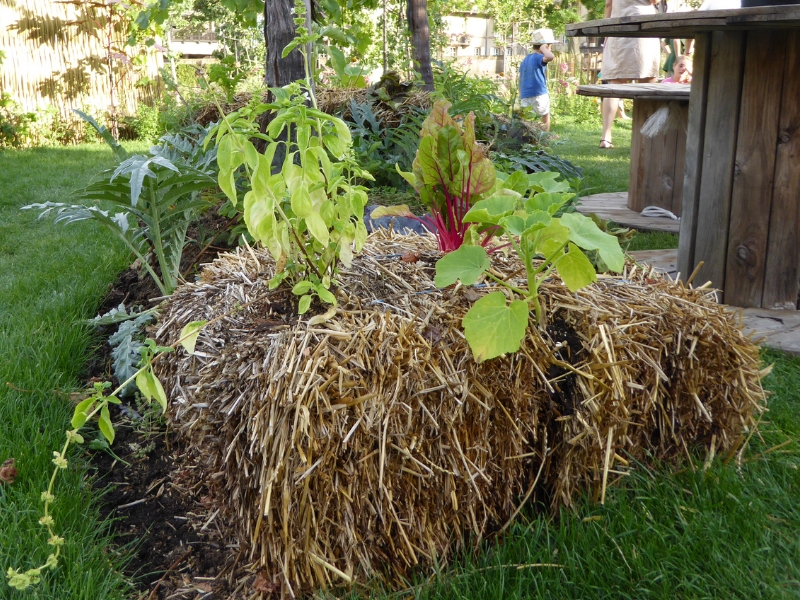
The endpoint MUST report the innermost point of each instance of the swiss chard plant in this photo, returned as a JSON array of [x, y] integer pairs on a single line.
[[309, 214], [451, 172], [544, 243]]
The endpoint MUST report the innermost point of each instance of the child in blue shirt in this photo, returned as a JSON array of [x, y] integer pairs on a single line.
[[532, 81]]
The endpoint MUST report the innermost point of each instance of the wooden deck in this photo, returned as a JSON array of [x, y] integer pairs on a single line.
[[614, 207], [778, 329]]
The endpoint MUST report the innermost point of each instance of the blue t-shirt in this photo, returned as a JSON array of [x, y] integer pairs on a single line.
[[532, 81]]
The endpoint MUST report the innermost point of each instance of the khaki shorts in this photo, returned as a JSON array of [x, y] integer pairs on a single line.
[[541, 104]]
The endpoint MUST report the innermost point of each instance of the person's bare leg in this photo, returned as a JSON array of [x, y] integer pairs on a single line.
[[610, 106], [546, 122]]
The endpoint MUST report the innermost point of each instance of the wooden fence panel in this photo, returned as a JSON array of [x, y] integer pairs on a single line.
[[54, 57]]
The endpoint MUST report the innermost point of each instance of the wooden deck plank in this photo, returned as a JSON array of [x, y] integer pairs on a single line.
[[719, 151], [751, 198], [783, 250], [613, 207], [690, 24]]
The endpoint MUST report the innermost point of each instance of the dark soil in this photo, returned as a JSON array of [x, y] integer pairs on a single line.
[[176, 543], [568, 349]]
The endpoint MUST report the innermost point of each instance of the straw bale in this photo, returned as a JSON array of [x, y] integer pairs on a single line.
[[373, 445], [334, 101]]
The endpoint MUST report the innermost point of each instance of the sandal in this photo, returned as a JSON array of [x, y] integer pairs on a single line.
[[606, 146]]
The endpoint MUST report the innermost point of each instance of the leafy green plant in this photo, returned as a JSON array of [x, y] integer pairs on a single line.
[[377, 148], [14, 123], [451, 173], [96, 405], [227, 74], [523, 209], [156, 198], [104, 133], [534, 160], [349, 75], [147, 124], [309, 214]]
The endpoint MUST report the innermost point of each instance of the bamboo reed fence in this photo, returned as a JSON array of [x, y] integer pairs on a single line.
[[59, 53]]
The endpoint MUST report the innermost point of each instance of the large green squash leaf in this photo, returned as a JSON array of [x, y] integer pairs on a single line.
[[575, 269], [467, 263], [586, 234], [491, 210], [493, 327]]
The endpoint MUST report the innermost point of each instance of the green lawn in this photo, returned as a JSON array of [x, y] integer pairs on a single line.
[[604, 170], [53, 276]]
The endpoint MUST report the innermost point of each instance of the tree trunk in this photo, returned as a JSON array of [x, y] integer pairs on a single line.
[[278, 32], [421, 40]]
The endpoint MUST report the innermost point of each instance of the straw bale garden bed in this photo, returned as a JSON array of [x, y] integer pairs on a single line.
[[373, 444]]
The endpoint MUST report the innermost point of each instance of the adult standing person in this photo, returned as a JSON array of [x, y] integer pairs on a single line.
[[627, 59], [532, 79]]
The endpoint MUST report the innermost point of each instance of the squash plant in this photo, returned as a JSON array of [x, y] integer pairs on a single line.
[[543, 242]]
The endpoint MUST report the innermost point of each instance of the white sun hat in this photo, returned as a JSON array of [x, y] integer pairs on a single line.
[[543, 36]]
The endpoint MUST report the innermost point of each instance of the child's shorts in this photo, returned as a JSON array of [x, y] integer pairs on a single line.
[[541, 104]]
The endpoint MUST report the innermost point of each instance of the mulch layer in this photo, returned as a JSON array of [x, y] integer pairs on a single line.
[[177, 548]]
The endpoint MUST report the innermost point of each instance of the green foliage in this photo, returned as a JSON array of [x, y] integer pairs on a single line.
[[348, 75], [104, 133], [96, 405], [533, 160], [126, 345], [309, 214], [566, 102], [14, 123], [157, 198], [147, 123], [227, 74], [378, 149], [466, 93], [523, 207], [450, 173]]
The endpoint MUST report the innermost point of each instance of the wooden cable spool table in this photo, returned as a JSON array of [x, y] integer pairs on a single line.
[[656, 175], [741, 191]]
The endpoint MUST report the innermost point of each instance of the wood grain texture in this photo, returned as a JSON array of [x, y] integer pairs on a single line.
[[613, 207], [664, 176], [639, 165], [783, 249], [693, 163], [647, 91], [756, 144], [719, 146], [680, 162], [691, 24]]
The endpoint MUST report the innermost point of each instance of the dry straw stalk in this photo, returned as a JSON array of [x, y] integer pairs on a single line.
[[372, 444]]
